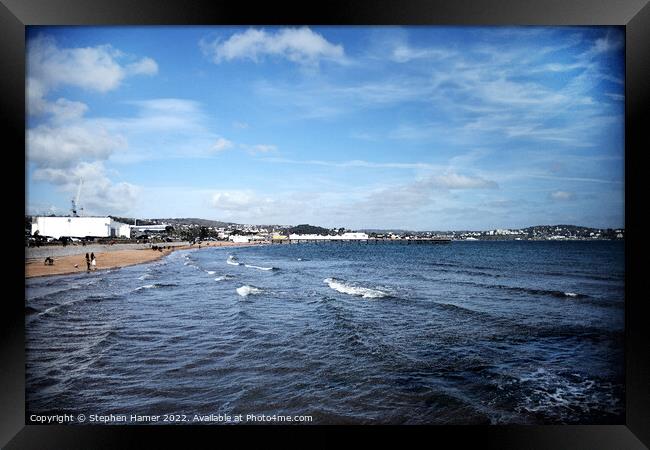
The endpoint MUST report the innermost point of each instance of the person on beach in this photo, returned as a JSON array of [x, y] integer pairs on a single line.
[[93, 261], [88, 262]]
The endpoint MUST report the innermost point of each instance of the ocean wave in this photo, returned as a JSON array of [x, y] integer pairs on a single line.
[[146, 286], [258, 267], [54, 292], [144, 277], [469, 312], [155, 286], [247, 290], [566, 396], [525, 290], [346, 288], [101, 298], [55, 308], [548, 292], [224, 278], [232, 260], [210, 272]]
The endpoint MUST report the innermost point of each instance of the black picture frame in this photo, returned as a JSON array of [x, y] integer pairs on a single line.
[[633, 14]]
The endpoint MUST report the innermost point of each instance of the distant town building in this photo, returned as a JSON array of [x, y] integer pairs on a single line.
[[240, 239], [79, 227], [137, 229], [319, 237]]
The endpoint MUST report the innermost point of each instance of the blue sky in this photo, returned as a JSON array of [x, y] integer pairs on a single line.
[[426, 128]]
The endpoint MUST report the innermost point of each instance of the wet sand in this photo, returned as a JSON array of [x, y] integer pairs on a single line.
[[108, 260]]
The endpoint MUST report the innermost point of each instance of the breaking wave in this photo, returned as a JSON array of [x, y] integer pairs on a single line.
[[232, 261], [247, 290], [224, 278], [346, 288], [258, 267], [154, 286]]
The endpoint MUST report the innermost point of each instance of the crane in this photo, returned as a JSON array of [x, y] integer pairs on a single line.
[[75, 201]]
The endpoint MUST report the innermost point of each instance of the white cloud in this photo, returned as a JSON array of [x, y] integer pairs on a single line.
[[431, 178], [64, 110], [456, 181], [413, 200], [249, 207], [162, 116], [62, 146], [234, 200], [608, 43], [146, 66], [92, 68], [404, 53], [309, 99], [357, 163], [222, 144], [167, 106], [259, 148], [299, 45], [617, 97], [99, 195], [66, 146]]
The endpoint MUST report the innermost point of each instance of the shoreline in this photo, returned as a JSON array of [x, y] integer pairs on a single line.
[[65, 265]]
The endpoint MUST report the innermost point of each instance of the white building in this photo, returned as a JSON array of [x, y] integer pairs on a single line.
[[138, 229], [240, 239], [361, 236], [79, 227]]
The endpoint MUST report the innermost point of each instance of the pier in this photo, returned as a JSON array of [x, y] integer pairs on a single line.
[[368, 241]]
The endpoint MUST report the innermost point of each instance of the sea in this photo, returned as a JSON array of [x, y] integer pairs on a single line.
[[475, 332]]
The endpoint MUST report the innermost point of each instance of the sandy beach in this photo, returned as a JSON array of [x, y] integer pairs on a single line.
[[74, 259]]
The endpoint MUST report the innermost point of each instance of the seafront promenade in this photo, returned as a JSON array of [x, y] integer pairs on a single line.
[[57, 251]]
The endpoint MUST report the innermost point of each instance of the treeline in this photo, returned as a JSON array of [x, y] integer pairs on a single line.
[[130, 221], [308, 229]]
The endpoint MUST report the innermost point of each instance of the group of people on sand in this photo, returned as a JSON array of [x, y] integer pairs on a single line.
[[91, 262]]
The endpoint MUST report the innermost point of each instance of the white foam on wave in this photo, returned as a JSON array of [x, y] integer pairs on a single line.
[[570, 294], [55, 307], [562, 395], [144, 277], [146, 286], [232, 261], [258, 267], [210, 272], [342, 287], [247, 290]]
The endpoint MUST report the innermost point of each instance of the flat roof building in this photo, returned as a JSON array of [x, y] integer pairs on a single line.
[[79, 227]]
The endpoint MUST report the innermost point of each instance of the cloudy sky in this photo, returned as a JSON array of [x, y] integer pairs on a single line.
[[364, 127]]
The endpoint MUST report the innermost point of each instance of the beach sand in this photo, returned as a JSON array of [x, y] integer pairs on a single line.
[[109, 260]]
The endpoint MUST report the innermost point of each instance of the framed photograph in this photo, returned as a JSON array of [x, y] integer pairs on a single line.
[[364, 215]]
